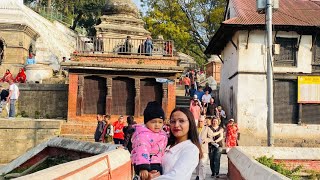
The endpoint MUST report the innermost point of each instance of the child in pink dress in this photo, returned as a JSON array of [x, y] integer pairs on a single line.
[[149, 141]]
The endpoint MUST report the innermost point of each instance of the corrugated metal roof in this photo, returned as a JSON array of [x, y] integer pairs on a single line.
[[301, 15], [290, 12]]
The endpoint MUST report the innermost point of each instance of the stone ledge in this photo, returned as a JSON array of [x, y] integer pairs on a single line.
[[29, 124], [42, 87], [128, 67], [111, 55], [249, 168]]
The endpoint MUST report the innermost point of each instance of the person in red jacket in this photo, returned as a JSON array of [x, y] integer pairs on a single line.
[[118, 137], [21, 76]]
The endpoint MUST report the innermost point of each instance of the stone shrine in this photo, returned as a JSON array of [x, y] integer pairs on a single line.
[[105, 80]]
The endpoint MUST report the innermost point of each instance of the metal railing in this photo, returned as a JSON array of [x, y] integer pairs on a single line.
[[50, 14], [125, 46]]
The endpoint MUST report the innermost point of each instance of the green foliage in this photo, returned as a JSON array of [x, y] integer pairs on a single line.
[[190, 24], [83, 13], [37, 115], [279, 167], [24, 114], [47, 116]]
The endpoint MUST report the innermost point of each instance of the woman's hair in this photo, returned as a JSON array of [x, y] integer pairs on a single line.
[[217, 118], [130, 120], [192, 134]]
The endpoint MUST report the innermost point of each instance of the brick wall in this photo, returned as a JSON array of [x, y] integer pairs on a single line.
[[50, 100], [306, 164], [18, 136], [171, 98], [126, 59], [233, 172]]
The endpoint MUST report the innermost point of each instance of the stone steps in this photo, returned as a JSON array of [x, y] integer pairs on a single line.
[[182, 101], [55, 40]]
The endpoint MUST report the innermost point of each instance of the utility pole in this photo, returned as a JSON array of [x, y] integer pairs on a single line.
[[269, 73]]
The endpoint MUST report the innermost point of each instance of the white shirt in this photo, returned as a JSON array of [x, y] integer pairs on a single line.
[[15, 91], [180, 161], [206, 98]]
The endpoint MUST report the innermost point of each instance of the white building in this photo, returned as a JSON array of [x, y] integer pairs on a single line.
[[240, 42]]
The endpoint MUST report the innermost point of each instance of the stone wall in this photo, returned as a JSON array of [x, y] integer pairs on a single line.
[[18, 136], [50, 100]]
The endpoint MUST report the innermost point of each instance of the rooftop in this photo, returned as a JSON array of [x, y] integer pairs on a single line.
[[290, 12], [293, 15]]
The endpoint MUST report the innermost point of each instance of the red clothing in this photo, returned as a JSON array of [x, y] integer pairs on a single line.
[[232, 134], [118, 127], [186, 81], [195, 111], [21, 77], [7, 76]]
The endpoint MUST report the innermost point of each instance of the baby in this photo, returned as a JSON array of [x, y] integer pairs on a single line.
[[149, 141]]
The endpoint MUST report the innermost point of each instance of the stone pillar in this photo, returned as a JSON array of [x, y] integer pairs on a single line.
[[80, 105], [165, 98], [109, 96], [137, 101]]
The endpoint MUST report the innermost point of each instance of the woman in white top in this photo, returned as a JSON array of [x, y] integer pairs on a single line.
[[183, 152]]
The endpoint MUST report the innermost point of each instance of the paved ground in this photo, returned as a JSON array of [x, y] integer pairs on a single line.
[[223, 169]]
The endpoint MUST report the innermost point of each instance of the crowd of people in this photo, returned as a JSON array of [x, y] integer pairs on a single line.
[[173, 148]]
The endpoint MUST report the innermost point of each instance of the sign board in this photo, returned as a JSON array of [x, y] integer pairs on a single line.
[[309, 89]]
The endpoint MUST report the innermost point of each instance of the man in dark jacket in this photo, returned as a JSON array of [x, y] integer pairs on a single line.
[[128, 131], [99, 129]]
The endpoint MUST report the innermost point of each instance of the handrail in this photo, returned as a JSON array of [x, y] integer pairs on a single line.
[[50, 14], [125, 46]]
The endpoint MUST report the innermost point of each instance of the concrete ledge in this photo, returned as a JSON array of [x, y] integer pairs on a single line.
[[96, 167], [295, 153], [249, 168]]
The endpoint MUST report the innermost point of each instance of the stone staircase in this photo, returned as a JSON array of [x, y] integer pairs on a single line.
[[182, 101], [55, 40]]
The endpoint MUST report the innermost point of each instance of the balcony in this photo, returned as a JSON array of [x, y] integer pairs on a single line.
[[125, 54], [124, 46]]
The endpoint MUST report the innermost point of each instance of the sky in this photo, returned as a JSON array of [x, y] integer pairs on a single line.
[[138, 3]]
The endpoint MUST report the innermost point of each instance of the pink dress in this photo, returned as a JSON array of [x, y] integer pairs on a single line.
[[148, 147]]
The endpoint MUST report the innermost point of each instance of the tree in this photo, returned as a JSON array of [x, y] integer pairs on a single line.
[[190, 23], [82, 13]]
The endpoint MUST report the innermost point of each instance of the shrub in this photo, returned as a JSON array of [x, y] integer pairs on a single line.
[[279, 167], [37, 115]]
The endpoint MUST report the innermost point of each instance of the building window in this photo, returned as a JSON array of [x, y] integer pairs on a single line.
[[286, 108], [316, 54], [288, 52]]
